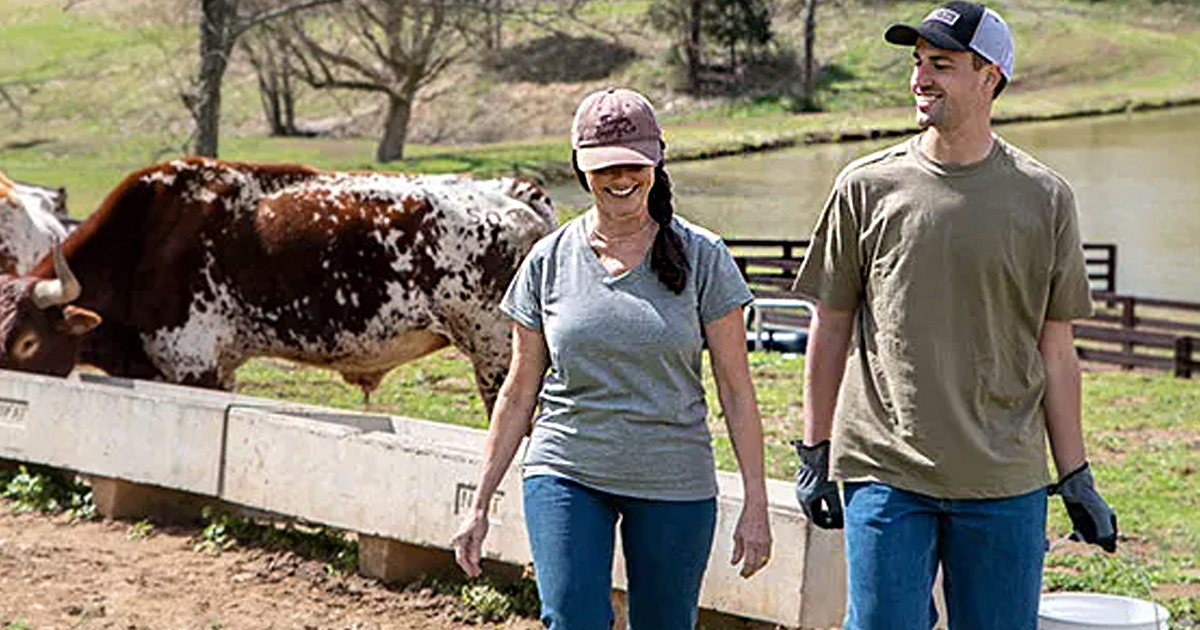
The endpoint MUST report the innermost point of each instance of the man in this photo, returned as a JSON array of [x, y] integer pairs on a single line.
[[954, 262]]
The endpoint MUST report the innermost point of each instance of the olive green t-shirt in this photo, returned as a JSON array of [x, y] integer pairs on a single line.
[[952, 272]]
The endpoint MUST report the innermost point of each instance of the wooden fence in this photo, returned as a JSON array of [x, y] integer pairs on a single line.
[[1140, 332], [1129, 331], [770, 265]]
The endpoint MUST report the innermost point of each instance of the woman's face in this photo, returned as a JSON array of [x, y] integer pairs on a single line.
[[621, 189]]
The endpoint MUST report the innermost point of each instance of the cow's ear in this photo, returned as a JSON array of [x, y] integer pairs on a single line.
[[77, 320]]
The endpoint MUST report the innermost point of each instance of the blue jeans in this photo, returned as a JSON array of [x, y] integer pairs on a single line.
[[991, 553], [571, 533]]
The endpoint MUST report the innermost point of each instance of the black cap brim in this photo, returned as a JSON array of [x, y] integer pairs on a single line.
[[905, 35]]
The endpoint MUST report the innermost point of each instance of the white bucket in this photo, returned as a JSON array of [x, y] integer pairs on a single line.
[[1094, 611]]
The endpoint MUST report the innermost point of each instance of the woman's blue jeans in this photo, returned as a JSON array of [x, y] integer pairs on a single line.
[[991, 553], [666, 545]]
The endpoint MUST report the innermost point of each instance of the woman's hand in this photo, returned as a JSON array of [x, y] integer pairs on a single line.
[[468, 544], [752, 539], [509, 424]]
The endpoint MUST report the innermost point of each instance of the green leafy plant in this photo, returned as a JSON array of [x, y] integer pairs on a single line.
[[140, 530], [224, 531], [48, 491], [486, 602], [486, 599], [490, 600]]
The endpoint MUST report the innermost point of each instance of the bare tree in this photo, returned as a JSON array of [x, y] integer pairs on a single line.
[[808, 90], [809, 68], [389, 47], [684, 20], [222, 22], [267, 50]]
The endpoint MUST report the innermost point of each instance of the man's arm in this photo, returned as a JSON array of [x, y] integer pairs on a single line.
[[1062, 399], [824, 364], [1090, 515]]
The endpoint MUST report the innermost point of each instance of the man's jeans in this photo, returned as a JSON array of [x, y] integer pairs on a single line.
[[571, 532], [991, 553]]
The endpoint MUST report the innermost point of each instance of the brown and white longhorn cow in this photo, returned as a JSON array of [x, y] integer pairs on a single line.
[[31, 221], [191, 267]]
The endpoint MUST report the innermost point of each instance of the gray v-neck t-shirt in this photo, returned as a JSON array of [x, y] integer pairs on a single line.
[[622, 406]]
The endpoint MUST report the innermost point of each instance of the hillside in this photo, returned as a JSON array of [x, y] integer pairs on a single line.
[[92, 93]]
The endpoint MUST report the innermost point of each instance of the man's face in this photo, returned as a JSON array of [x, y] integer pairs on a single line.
[[949, 91]]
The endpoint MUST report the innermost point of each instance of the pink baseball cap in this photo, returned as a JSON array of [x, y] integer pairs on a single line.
[[615, 126]]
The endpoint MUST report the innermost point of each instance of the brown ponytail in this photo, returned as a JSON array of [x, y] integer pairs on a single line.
[[667, 258]]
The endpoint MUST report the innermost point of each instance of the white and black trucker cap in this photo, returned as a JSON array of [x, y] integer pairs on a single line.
[[962, 26]]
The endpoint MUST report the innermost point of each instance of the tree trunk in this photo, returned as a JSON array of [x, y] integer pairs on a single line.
[[692, 47], [269, 94], [810, 63], [288, 97], [216, 42], [395, 130]]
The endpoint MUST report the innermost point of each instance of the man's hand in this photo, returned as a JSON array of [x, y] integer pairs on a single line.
[[1091, 517], [818, 496]]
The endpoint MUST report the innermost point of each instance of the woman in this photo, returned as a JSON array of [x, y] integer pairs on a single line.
[[617, 306]]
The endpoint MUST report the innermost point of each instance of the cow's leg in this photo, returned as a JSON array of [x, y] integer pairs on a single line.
[[487, 341], [366, 381], [489, 375]]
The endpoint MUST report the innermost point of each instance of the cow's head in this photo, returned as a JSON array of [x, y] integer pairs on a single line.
[[40, 330]]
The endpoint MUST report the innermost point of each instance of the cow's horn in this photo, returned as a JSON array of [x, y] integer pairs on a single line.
[[61, 291]]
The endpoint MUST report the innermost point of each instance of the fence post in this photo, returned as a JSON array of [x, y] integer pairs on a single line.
[[1183, 357], [1112, 267], [1129, 322]]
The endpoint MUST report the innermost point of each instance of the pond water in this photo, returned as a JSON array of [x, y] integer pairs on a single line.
[[1136, 179]]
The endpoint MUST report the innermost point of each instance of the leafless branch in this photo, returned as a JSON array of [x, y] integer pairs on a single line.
[[12, 103], [255, 19]]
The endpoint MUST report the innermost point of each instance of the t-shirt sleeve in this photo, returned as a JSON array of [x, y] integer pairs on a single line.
[[832, 269], [722, 287], [1070, 292], [523, 299]]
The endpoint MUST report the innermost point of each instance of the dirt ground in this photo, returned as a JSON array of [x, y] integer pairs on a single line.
[[103, 575]]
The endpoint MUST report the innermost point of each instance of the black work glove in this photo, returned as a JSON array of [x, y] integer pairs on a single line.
[[1091, 517], [818, 496]]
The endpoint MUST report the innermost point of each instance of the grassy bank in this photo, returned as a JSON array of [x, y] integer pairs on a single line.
[[94, 92]]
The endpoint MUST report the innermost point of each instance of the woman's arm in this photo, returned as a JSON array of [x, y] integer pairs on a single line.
[[510, 420], [727, 347]]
